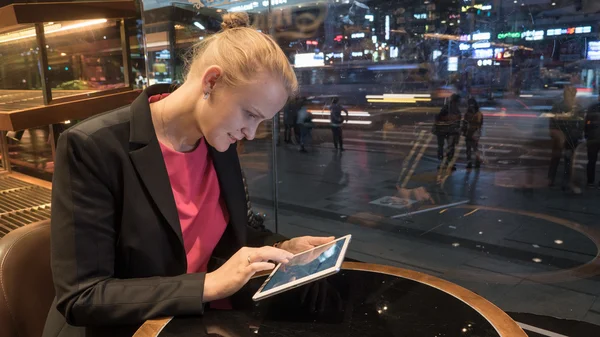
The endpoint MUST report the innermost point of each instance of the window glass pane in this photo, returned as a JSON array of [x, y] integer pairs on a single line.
[[84, 56], [498, 196], [20, 84]]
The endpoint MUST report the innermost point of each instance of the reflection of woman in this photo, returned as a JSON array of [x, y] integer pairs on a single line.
[[148, 200]]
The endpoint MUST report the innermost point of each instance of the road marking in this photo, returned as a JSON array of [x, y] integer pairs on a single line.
[[410, 144], [540, 331], [429, 209], [409, 157]]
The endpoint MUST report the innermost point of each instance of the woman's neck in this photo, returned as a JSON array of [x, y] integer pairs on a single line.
[[174, 120]]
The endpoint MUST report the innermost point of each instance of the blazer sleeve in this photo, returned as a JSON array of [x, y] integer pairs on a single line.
[[84, 233]]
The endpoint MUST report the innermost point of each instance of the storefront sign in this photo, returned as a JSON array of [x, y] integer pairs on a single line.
[[309, 60], [387, 27], [420, 16], [476, 37], [569, 31], [453, 63], [533, 35], [593, 50], [509, 35], [481, 45], [483, 53], [357, 35], [478, 6]]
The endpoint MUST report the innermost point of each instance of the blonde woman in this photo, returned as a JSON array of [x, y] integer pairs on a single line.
[[149, 214]]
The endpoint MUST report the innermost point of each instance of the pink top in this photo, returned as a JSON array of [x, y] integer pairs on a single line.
[[202, 211]]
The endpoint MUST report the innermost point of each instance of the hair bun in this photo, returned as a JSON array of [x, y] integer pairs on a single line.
[[235, 20]]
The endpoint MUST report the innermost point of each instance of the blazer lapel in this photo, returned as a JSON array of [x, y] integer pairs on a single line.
[[229, 173], [147, 158]]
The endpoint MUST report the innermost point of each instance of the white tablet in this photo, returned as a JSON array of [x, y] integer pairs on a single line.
[[305, 267]]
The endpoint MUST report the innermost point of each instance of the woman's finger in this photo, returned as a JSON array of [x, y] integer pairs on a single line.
[[317, 241], [270, 254], [261, 266]]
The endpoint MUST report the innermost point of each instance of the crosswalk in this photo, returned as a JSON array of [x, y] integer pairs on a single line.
[[527, 143]]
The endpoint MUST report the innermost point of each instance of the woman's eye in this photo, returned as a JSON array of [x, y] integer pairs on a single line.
[[251, 115]]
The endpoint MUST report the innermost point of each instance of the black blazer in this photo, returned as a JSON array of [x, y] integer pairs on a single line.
[[117, 249]]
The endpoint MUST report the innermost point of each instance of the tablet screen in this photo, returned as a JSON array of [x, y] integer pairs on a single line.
[[306, 264]]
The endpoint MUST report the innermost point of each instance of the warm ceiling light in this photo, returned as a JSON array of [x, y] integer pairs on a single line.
[[49, 29]]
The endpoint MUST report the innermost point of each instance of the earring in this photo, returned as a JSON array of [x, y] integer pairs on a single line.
[[206, 94]]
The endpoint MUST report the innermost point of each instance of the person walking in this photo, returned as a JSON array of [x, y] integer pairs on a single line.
[[447, 129], [592, 136], [337, 120], [472, 125], [565, 132], [290, 115]]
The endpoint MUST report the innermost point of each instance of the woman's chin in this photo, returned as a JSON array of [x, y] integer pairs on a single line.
[[221, 146]]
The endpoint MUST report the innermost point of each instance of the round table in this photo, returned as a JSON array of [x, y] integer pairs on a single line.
[[361, 300]]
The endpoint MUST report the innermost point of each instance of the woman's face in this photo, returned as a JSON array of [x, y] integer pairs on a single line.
[[232, 114]]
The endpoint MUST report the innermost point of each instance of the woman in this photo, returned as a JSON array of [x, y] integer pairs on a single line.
[[149, 214]]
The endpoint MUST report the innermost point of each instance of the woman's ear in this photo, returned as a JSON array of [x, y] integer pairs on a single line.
[[210, 78]]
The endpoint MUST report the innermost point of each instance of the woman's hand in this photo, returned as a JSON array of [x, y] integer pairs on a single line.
[[236, 272], [304, 243]]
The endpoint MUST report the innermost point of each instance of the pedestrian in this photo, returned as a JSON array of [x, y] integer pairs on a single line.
[[472, 125], [592, 136], [566, 131], [447, 129], [290, 115], [337, 120], [305, 123]]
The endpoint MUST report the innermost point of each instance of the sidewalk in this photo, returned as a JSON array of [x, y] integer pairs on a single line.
[[501, 233]]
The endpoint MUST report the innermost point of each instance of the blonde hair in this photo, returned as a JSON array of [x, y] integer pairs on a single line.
[[242, 52]]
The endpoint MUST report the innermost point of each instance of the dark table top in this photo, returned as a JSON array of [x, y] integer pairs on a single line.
[[361, 300]]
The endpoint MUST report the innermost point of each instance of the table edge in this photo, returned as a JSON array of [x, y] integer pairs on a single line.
[[504, 324]]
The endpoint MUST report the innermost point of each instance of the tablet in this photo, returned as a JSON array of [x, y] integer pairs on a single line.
[[304, 268]]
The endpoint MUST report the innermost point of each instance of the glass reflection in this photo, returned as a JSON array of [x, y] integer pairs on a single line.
[[471, 138], [84, 56]]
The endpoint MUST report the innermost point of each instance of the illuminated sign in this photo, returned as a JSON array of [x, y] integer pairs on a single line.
[[478, 6], [338, 38], [357, 53], [483, 53], [421, 16], [533, 35], [453, 63], [335, 55], [481, 45], [593, 50], [309, 60], [370, 17], [509, 35], [464, 46], [475, 37], [484, 63], [436, 54], [394, 52], [240, 8], [357, 35], [387, 27], [569, 31]]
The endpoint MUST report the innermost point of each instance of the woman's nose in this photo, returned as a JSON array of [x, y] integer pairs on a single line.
[[249, 132]]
